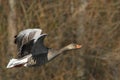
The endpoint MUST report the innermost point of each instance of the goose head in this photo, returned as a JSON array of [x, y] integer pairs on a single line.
[[72, 46]]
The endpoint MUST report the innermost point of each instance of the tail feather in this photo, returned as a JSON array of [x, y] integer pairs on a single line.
[[16, 62]]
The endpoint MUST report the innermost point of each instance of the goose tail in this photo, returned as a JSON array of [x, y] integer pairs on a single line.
[[18, 62]]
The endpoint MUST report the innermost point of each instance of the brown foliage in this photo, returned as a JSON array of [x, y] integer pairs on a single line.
[[97, 28]]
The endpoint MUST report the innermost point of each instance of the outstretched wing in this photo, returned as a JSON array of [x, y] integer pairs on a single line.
[[39, 53], [24, 38], [38, 47], [26, 49]]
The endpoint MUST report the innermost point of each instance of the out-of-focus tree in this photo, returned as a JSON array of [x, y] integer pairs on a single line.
[[11, 25], [93, 23]]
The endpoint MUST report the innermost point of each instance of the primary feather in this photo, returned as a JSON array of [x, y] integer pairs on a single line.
[[25, 40]]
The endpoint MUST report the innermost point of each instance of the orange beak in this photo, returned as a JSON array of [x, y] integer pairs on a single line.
[[78, 46]]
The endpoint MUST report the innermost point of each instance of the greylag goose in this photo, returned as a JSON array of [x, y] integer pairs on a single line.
[[37, 53]]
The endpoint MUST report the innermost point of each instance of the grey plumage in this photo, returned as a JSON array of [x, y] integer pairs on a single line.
[[25, 41], [39, 53], [39, 47], [32, 51], [26, 46]]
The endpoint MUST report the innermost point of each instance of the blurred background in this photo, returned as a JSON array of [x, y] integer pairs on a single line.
[[93, 23]]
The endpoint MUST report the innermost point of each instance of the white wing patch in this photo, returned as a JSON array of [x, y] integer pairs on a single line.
[[14, 62]]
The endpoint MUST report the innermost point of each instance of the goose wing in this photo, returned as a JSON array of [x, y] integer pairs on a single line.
[[26, 49], [39, 53], [38, 47], [26, 38]]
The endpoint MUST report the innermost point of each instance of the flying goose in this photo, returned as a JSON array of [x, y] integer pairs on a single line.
[[38, 53]]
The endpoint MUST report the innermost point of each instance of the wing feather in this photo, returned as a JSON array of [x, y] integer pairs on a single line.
[[38, 47], [25, 37]]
